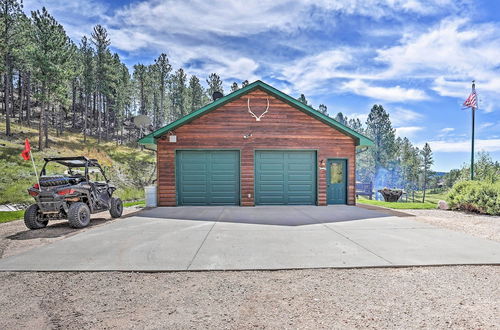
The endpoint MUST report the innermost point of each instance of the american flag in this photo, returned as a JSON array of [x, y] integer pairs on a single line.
[[471, 101]]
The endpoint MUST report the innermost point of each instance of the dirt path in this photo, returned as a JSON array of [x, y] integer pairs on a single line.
[[15, 238]]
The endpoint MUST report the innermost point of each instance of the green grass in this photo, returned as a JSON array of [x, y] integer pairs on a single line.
[[6, 216], [136, 203], [430, 197], [398, 205]]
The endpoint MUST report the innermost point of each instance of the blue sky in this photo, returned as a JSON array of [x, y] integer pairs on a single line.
[[415, 57]]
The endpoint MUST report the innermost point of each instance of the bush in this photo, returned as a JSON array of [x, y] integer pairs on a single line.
[[475, 196]]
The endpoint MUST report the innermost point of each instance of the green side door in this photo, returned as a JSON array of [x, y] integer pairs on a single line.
[[285, 177], [208, 177], [336, 179]]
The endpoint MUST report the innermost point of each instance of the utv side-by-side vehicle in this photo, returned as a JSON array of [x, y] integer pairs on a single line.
[[71, 188]]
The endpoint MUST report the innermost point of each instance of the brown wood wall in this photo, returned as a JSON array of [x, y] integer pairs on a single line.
[[283, 127]]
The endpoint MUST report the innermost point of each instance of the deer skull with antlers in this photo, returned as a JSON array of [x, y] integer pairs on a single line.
[[257, 118]]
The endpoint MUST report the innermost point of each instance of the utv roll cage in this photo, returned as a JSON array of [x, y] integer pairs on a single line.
[[73, 162]]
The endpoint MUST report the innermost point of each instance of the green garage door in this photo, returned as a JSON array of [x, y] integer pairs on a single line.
[[207, 177], [285, 177]]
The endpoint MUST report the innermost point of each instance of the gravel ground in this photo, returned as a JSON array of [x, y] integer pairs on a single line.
[[426, 297], [484, 226], [421, 297], [16, 238]]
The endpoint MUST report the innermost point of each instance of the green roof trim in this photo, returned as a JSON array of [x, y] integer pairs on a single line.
[[361, 140]]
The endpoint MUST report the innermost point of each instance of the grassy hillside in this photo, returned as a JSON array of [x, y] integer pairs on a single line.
[[128, 168]]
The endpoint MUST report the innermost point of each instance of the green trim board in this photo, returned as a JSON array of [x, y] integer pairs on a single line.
[[360, 139]]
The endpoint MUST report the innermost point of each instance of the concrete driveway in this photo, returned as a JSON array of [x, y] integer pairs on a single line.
[[233, 238]]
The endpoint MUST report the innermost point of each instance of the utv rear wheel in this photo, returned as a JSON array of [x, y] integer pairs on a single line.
[[79, 215], [116, 209], [33, 219]]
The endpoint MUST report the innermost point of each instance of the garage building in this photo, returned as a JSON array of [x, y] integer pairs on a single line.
[[256, 146]]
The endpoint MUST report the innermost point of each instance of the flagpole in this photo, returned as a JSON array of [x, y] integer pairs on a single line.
[[472, 142], [36, 173], [472, 149]]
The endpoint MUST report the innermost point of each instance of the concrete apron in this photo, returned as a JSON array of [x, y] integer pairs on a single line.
[[257, 238]]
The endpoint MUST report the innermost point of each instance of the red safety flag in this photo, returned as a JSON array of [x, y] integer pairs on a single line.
[[27, 150]]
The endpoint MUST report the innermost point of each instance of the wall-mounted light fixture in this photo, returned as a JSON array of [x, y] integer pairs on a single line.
[[322, 163], [247, 136], [172, 138]]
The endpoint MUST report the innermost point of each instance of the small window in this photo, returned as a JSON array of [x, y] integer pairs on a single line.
[[336, 174]]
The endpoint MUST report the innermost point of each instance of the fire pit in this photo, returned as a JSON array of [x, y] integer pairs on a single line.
[[391, 195]]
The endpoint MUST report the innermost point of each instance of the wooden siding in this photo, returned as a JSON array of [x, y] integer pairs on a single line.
[[283, 127]]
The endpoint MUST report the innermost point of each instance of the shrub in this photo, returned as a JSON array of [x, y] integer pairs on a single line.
[[475, 196]]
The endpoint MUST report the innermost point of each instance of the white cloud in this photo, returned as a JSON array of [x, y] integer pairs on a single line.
[[408, 131], [391, 94], [489, 145], [486, 125], [401, 116], [447, 130]]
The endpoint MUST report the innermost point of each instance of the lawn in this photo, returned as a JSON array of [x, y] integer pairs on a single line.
[[6, 216], [398, 205]]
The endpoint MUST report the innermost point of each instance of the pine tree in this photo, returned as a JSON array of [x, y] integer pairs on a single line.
[[427, 162], [323, 109], [341, 118], [303, 99], [87, 57], [140, 81], [356, 125], [178, 93], [244, 83], [214, 85], [50, 54], [195, 94], [164, 69], [234, 87], [10, 12], [101, 41], [379, 129]]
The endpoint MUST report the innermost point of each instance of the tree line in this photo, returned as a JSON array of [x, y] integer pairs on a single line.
[[51, 82]]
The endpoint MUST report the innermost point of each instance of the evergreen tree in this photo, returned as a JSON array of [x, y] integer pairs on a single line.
[[303, 99], [214, 85], [379, 129], [164, 69], [50, 54], [323, 109], [356, 125], [341, 118], [87, 57], [234, 87], [427, 162], [10, 12], [101, 41], [244, 83], [195, 94], [178, 93], [140, 81]]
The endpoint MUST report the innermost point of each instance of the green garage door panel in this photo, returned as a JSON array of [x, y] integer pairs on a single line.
[[285, 177], [208, 177]]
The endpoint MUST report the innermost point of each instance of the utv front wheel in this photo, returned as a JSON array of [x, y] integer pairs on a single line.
[[33, 219], [116, 209], [79, 215]]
